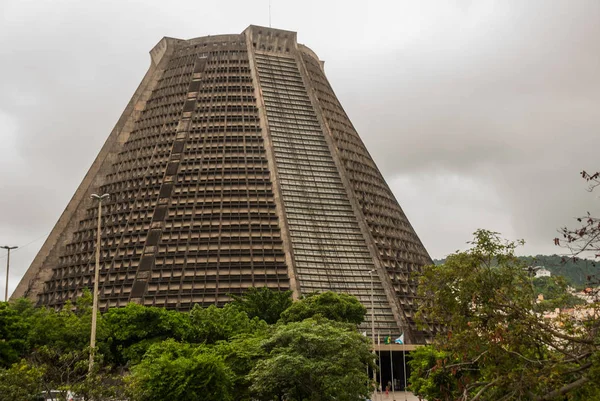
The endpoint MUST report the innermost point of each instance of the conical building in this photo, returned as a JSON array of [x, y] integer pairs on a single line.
[[234, 165]]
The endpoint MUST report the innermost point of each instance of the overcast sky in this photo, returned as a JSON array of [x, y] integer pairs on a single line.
[[480, 114]]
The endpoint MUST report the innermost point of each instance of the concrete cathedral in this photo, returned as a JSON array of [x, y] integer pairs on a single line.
[[234, 165]]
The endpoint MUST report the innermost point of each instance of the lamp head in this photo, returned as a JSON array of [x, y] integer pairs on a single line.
[[100, 197]]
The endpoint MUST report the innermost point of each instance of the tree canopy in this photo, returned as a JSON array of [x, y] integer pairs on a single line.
[[181, 371], [127, 333], [313, 360], [263, 303], [498, 344], [150, 354], [555, 292], [12, 327], [212, 324], [330, 305]]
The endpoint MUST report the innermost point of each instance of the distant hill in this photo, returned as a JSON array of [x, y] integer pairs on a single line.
[[578, 274]]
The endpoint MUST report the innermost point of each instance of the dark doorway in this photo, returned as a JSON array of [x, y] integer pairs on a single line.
[[397, 367]]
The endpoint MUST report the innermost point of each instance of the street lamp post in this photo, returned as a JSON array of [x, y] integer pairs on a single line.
[[373, 309], [373, 318], [8, 248], [99, 198]]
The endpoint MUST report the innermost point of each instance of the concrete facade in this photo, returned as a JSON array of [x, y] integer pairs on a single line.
[[234, 165]]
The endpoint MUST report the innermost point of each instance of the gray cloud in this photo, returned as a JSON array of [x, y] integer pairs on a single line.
[[508, 101], [480, 114]]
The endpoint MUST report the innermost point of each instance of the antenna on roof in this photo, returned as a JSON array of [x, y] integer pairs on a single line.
[[269, 13]]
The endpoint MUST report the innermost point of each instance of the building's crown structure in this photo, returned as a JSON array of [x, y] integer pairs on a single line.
[[234, 165]]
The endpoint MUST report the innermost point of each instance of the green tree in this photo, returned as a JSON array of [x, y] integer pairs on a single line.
[[126, 333], [313, 360], [54, 343], [100, 385], [63, 330], [212, 324], [429, 374], [241, 354], [21, 382], [577, 271], [24, 328], [498, 345], [62, 369], [330, 305], [554, 290], [263, 303], [59, 341], [178, 371], [13, 335]]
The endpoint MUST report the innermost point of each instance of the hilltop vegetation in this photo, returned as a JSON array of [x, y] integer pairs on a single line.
[[577, 272]]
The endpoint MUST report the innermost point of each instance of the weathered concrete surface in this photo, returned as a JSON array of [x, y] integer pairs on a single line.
[[395, 396]]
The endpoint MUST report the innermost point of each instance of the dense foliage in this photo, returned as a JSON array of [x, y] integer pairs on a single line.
[[330, 305], [12, 345], [313, 360], [263, 303], [577, 272], [127, 333], [182, 371], [555, 292], [498, 345], [151, 354]]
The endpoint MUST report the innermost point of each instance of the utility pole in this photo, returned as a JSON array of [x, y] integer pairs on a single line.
[[99, 198], [8, 248]]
